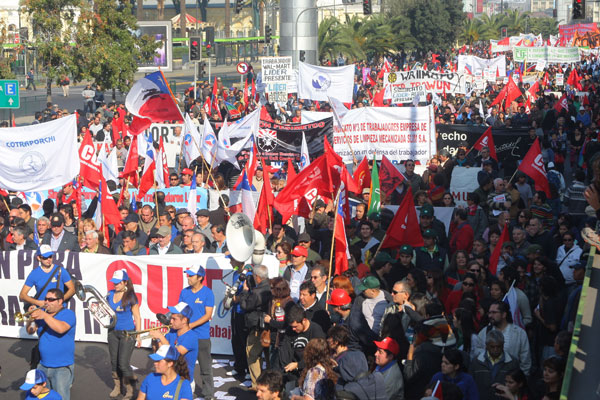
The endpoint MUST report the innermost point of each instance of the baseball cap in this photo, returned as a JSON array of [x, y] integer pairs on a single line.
[[319, 203], [163, 231], [370, 282], [508, 244], [196, 270], [132, 217], [165, 351], [304, 237], [426, 212], [429, 233], [57, 219], [183, 309], [33, 377], [366, 191], [534, 248], [487, 162], [550, 165], [202, 213], [187, 171], [406, 249], [300, 251], [44, 251], [383, 257], [119, 276], [388, 344], [182, 211]]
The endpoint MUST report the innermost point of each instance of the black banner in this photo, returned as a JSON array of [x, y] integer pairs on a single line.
[[511, 144], [278, 143]]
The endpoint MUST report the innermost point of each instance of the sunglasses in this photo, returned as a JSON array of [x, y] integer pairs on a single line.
[[50, 299], [468, 284], [474, 270], [397, 292], [45, 258]]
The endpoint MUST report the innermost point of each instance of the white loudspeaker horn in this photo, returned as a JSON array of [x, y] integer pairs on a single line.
[[240, 237]]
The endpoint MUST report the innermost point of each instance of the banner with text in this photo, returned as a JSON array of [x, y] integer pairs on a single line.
[[157, 280], [558, 55], [463, 182], [277, 74], [568, 31], [476, 66], [399, 133], [403, 87]]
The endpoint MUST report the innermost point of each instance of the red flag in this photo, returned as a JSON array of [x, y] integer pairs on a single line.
[[437, 391], [486, 140], [384, 69], [131, 165], [264, 211], [246, 94], [495, 257], [546, 80], [533, 166], [147, 180], [574, 80], [434, 58], [253, 94], [513, 92], [504, 42], [206, 106], [404, 228], [362, 175], [264, 115], [163, 160], [90, 168], [370, 81], [562, 103], [389, 176], [378, 99], [110, 211], [341, 243]]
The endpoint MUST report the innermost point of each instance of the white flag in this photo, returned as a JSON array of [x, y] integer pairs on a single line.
[[209, 141], [225, 150], [316, 83], [416, 100], [110, 167], [304, 159], [249, 124], [191, 140], [39, 157], [338, 107], [481, 110]]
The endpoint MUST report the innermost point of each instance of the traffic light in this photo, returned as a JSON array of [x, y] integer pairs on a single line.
[[238, 6], [267, 34], [578, 9], [302, 53], [367, 7], [195, 49], [202, 72], [210, 39]]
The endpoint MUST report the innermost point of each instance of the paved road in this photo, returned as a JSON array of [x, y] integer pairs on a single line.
[[92, 371]]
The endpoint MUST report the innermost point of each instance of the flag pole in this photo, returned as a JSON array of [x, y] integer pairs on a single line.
[[511, 286], [337, 200]]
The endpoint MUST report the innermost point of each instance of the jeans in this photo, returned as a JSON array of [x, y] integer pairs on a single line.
[[205, 368], [59, 379], [120, 348]]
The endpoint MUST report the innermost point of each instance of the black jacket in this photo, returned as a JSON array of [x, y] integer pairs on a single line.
[[68, 242], [418, 372], [255, 303], [318, 315], [293, 344]]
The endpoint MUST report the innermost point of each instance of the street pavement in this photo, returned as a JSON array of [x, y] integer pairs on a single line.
[[93, 372]]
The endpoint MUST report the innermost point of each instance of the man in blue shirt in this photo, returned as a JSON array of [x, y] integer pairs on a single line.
[[202, 301], [39, 276], [55, 327]]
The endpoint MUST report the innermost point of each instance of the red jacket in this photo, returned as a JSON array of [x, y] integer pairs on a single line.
[[461, 237]]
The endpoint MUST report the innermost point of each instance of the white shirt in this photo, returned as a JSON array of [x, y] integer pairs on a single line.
[[163, 250]]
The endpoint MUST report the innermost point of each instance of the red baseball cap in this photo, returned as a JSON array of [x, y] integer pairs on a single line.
[[300, 251], [388, 344], [187, 171]]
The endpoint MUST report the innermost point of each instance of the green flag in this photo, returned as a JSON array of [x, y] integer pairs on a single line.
[[375, 199]]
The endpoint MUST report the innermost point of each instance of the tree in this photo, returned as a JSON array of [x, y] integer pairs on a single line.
[[5, 61], [434, 23], [515, 22], [545, 26], [473, 30], [334, 40], [378, 34], [492, 25], [54, 23], [402, 38], [108, 49]]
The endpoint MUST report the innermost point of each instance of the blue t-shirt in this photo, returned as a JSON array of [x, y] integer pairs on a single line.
[[124, 315], [58, 350], [198, 301], [38, 278], [51, 395], [155, 390], [189, 340]]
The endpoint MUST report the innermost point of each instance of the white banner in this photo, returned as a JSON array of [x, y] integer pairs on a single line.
[[157, 280], [317, 83], [39, 157], [403, 86], [477, 66], [464, 181], [399, 133], [560, 55], [171, 142], [277, 74], [308, 117]]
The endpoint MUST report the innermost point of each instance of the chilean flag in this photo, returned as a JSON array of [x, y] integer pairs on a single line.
[[150, 100], [193, 198], [342, 253], [147, 180], [248, 206]]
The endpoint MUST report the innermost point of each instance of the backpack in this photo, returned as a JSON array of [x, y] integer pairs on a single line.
[[554, 181]]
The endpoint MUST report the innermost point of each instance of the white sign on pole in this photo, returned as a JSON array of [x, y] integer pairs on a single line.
[[277, 74]]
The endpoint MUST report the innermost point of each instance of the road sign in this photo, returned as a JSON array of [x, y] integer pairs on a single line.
[[9, 94], [242, 68]]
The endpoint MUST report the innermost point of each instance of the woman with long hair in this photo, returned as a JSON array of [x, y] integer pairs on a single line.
[[515, 386], [436, 285], [172, 377], [317, 379], [416, 280], [123, 301], [464, 324], [458, 265], [453, 371], [283, 252]]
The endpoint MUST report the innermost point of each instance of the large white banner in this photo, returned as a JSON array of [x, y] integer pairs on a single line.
[[399, 133], [157, 280], [464, 181], [560, 55], [317, 83], [478, 66], [39, 157], [277, 74], [403, 86], [308, 117]]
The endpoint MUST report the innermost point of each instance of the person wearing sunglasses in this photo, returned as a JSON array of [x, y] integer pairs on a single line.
[[469, 285], [55, 327], [48, 276]]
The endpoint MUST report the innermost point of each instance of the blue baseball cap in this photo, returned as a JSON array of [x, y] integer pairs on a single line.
[[44, 251], [165, 351], [33, 377], [183, 309], [119, 276], [196, 270]]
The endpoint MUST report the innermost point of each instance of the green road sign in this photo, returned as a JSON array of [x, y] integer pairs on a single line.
[[9, 94]]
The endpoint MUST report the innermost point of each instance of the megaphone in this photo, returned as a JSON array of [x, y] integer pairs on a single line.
[[243, 241]]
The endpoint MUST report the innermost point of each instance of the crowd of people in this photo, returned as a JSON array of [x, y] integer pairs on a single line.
[[400, 323]]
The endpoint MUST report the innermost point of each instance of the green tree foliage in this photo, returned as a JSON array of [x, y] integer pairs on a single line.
[[6, 58], [54, 23], [434, 23], [545, 26], [107, 46]]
